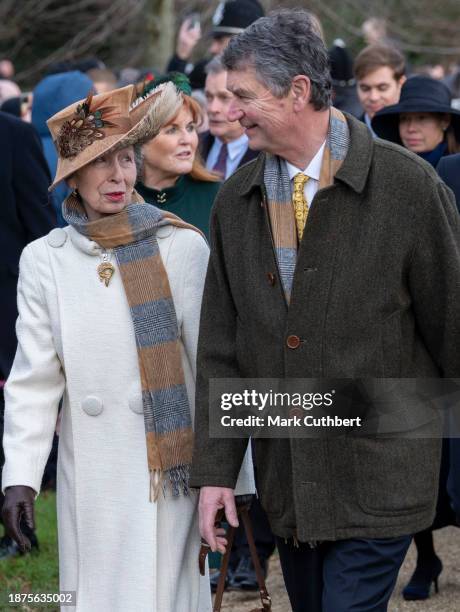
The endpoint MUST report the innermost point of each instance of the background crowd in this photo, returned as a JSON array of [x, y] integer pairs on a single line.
[[412, 104]]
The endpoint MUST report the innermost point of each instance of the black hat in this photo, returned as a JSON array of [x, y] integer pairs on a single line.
[[233, 16], [12, 106], [341, 64], [419, 94]]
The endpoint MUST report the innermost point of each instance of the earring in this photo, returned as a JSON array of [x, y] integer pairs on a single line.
[[75, 193]]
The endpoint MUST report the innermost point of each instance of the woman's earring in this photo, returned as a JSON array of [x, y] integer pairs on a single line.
[[75, 193]]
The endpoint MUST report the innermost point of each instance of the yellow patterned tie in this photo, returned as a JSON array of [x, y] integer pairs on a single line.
[[300, 203]]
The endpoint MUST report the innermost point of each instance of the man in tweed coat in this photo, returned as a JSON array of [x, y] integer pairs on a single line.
[[367, 287]]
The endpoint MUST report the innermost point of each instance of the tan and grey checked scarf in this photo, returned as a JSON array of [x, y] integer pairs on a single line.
[[278, 187], [131, 233]]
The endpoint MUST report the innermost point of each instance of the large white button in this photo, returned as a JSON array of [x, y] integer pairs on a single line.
[[92, 405], [135, 401], [57, 237], [164, 231]]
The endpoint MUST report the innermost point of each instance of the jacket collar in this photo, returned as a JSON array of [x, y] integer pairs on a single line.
[[353, 171]]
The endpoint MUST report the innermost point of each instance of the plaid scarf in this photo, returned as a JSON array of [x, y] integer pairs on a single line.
[[279, 195], [168, 427]]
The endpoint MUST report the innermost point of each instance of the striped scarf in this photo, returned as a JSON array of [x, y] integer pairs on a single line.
[[131, 233], [279, 195]]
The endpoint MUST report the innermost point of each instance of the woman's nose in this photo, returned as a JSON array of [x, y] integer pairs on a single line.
[[186, 136], [117, 172]]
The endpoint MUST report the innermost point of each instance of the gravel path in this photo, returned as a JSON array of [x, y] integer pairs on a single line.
[[447, 543]]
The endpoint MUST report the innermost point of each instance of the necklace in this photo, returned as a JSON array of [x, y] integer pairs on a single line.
[[105, 269]]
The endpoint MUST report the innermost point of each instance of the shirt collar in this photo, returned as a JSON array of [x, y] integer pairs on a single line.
[[368, 122], [313, 170], [235, 146]]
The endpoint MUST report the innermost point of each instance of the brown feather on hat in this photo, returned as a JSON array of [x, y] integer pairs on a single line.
[[89, 128]]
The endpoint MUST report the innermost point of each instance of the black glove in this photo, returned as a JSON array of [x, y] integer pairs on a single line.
[[19, 504]]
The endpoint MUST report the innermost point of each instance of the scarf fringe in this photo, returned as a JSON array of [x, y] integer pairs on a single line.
[[176, 478]]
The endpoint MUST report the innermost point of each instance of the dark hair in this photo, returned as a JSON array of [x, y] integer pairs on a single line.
[[215, 66], [374, 57], [279, 47]]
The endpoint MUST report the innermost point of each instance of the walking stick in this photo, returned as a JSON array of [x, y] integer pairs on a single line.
[[243, 505]]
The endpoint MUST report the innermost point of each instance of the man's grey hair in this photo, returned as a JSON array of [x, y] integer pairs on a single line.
[[215, 66], [279, 47]]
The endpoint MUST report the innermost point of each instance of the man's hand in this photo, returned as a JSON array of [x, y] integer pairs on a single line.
[[19, 503], [187, 39], [213, 499]]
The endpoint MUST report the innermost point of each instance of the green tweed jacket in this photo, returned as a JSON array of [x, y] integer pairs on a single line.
[[376, 293]]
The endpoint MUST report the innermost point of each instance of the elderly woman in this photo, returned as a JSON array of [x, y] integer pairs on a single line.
[[108, 321], [174, 177], [423, 121]]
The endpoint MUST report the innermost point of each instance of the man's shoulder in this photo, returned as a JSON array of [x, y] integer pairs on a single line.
[[238, 185], [20, 128], [450, 163], [401, 164], [248, 171]]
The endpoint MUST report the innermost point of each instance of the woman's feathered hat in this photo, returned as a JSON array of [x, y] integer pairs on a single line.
[[86, 129]]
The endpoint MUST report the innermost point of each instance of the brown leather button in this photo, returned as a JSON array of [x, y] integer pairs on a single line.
[[293, 342], [271, 278], [296, 412]]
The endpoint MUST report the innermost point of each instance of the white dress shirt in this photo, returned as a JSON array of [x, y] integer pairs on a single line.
[[236, 150], [367, 121], [313, 170]]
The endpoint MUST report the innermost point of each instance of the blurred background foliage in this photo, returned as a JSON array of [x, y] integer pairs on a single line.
[[141, 33]]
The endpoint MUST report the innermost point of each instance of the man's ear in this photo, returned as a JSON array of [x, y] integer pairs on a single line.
[[301, 90]]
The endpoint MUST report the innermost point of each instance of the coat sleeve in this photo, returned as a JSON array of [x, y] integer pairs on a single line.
[[434, 277], [34, 387], [31, 179], [196, 262], [217, 461]]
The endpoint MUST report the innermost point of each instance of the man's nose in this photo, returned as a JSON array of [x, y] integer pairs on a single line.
[[213, 106], [234, 113], [374, 94]]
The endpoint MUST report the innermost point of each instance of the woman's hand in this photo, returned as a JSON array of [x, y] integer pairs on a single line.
[[19, 503], [189, 35]]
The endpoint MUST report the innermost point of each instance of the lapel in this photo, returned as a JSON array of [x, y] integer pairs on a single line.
[[205, 143], [248, 156], [326, 223]]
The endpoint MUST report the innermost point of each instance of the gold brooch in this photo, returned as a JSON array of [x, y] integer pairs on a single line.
[[105, 269]]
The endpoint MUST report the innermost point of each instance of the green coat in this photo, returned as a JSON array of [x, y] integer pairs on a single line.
[[375, 294], [188, 199]]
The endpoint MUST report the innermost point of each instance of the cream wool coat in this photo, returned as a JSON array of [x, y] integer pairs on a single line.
[[117, 550]]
